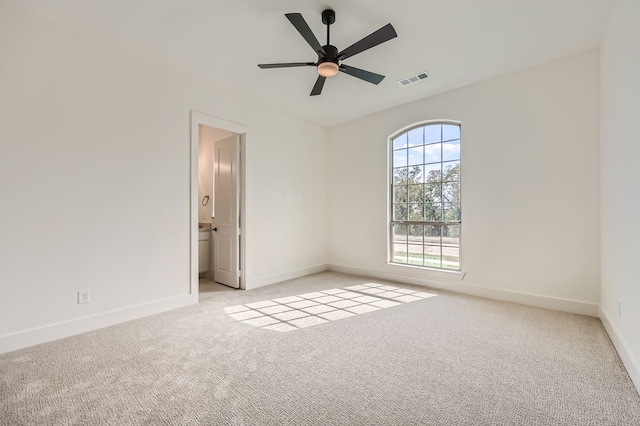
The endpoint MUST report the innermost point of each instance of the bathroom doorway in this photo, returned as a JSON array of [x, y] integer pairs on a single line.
[[217, 202]]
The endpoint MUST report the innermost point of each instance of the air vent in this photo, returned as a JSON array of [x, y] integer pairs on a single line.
[[413, 79]]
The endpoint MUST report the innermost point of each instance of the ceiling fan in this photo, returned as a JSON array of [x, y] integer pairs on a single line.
[[329, 57]]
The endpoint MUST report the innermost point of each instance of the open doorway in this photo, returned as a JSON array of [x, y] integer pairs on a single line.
[[217, 204]]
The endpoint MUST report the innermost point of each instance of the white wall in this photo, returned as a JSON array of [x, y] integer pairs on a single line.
[[94, 164], [530, 186], [619, 155]]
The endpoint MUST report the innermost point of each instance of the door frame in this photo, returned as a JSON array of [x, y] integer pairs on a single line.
[[198, 118]]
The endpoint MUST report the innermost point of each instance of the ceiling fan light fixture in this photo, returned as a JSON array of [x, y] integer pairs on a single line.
[[328, 69]]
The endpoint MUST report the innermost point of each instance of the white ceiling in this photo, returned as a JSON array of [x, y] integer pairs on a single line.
[[457, 42]]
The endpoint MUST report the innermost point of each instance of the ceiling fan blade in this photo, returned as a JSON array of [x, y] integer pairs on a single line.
[[317, 88], [369, 76], [286, 65], [385, 33], [303, 28]]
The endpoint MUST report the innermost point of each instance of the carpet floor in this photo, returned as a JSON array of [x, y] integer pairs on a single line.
[[327, 349]]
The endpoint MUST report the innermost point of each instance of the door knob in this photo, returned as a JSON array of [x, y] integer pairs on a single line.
[[215, 229]]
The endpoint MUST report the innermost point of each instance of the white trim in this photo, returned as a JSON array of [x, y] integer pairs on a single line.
[[426, 273], [630, 362], [424, 123], [242, 140], [565, 305], [198, 118], [297, 273], [48, 333], [221, 123]]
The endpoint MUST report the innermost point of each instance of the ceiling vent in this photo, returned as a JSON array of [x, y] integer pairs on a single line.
[[413, 79]]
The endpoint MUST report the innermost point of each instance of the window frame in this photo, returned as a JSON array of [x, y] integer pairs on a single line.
[[390, 202]]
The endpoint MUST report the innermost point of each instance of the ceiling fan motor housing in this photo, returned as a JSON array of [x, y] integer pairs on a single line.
[[330, 54]]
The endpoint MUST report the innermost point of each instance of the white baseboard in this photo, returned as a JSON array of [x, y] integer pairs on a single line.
[[565, 305], [47, 333], [630, 362], [272, 279]]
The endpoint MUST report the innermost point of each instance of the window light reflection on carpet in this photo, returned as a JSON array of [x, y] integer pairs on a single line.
[[309, 309]]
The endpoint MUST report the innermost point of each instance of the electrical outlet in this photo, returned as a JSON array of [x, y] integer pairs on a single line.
[[84, 296], [619, 309]]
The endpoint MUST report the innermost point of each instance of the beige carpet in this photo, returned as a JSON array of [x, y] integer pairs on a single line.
[[443, 360]]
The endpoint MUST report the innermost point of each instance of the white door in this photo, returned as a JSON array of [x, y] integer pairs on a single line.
[[226, 238]]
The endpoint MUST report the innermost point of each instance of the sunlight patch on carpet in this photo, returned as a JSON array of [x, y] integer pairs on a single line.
[[319, 307]]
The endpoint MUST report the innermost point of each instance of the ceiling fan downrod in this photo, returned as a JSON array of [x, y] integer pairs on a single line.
[[328, 18]]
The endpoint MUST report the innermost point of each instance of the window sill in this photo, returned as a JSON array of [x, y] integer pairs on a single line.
[[428, 273]]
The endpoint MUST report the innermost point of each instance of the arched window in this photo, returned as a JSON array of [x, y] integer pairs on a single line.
[[425, 218]]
